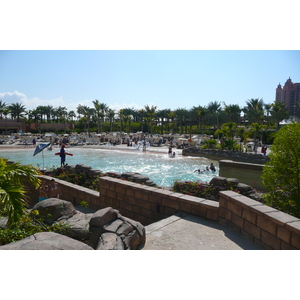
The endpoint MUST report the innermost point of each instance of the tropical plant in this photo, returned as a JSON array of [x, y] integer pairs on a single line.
[[214, 108], [17, 111], [281, 175], [12, 190], [254, 110]]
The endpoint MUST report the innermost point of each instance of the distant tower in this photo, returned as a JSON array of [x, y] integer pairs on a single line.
[[289, 94]]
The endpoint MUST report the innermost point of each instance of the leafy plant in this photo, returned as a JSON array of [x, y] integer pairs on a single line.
[[29, 225], [281, 175], [12, 190]]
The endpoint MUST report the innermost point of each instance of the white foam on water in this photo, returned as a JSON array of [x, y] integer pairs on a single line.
[[159, 167]]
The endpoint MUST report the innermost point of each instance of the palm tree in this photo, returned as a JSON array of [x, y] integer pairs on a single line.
[[12, 191], [17, 111], [201, 113], [150, 113], [111, 114], [278, 112], [254, 110], [256, 129], [6, 112], [172, 117], [100, 110], [214, 108], [3, 106], [142, 114], [87, 112]]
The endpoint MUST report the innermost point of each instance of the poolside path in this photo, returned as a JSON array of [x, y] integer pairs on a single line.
[[188, 232]]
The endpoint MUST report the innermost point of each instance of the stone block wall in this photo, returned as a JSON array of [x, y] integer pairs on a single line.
[[70, 192], [149, 204], [265, 226], [246, 172]]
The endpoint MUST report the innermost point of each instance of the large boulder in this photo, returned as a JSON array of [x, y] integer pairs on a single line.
[[47, 241], [110, 230], [110, 241], [54, 209], [79, 226]]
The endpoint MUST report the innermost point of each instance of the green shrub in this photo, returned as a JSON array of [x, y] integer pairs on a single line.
[[30, 225], [281, 175]]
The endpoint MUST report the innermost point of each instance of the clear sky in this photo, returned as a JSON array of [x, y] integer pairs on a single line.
[[167, 79], [132, 53]]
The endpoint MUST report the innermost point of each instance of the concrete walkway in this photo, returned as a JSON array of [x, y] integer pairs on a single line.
[[188, 232]]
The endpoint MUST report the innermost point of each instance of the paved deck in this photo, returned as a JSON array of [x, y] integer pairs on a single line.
[[188, 232]]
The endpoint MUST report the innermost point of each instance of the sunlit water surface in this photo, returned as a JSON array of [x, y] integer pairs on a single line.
[[157, 166]]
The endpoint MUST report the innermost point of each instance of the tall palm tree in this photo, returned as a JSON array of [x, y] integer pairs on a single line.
[[87, 113], [12, 190], [142, 114], [100, 111], [254, 110], [201, 113], [3, 106], [172, 117], [150, 114], [6, 112], [256, 129], [111, 114], [278, 112], [214, 108], [17, 111]]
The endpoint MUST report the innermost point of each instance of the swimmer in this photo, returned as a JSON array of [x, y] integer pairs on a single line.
[[212, 167]]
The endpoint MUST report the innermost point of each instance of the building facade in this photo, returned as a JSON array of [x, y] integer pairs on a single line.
[[289, 94]]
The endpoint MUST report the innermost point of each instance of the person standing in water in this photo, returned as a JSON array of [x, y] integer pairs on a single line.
[[62, 155]]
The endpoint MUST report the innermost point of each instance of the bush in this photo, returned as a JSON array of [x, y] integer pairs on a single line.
[[30, 225], [281, 175]]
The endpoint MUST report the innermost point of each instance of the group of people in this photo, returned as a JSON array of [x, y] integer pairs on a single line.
[[207, 169], [171, 153], [49, 191]]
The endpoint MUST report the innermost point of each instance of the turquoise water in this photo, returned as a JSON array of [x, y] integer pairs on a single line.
[[157, 166]]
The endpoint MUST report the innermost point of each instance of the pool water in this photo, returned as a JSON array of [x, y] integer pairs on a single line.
[[157, 166]]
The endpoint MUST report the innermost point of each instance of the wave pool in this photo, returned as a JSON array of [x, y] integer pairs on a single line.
[[156, 165]]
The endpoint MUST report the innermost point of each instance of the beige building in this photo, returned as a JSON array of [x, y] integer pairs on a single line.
[[289, 94]]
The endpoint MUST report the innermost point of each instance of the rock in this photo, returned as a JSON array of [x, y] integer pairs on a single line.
[[139, 228], [232, 182], [110, 241], [80, 167], [54, 209], [139, 178], [103, 216], [132, 240], [3, 222], [47, 241], [128, 175], [244, 188], [218, 181], [79, 226]]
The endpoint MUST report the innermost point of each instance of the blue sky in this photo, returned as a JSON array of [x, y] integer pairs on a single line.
[[167, 79], [170, 54]]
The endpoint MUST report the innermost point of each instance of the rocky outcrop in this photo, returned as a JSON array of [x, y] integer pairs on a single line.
[[109, 228], [131, 176], [134, 177], [211, 190], [223, 183], [47, 241], [105, 229], [54, 209]]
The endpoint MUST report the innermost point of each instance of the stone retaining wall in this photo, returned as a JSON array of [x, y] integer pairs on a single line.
[[246, 172], [263, 225], [216, 154]]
